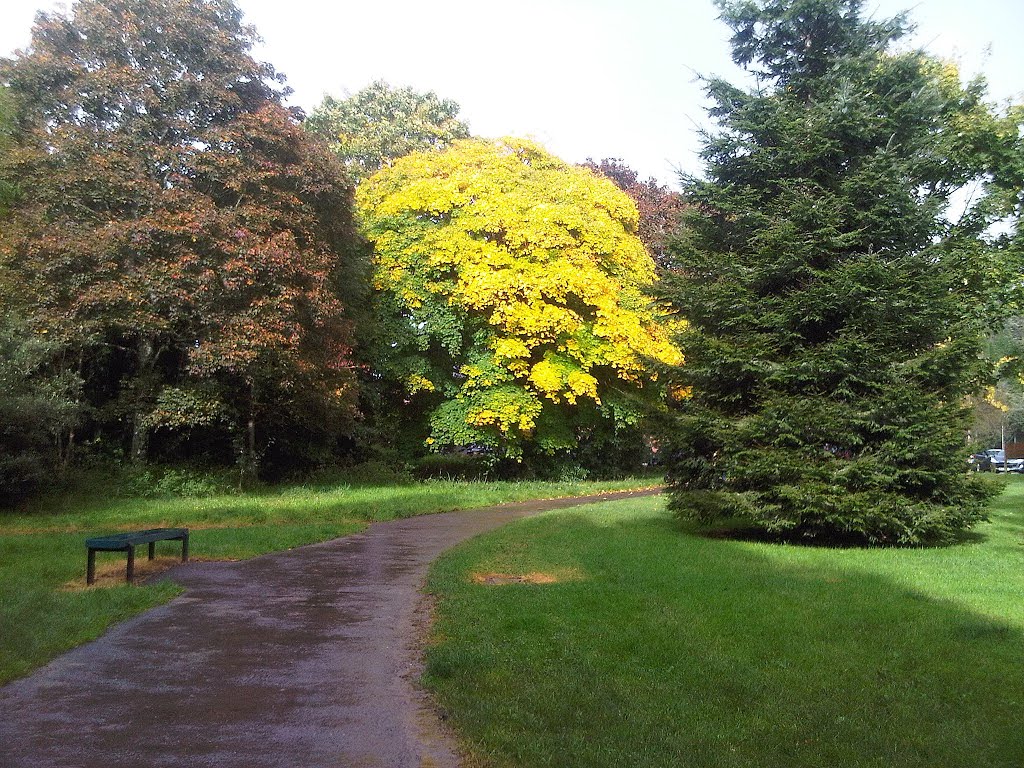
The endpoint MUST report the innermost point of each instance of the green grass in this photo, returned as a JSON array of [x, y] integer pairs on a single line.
[[662, 648], [42, 547]]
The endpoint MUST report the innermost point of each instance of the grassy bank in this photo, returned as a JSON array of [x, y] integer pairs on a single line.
[[42, 551], [652, 646]]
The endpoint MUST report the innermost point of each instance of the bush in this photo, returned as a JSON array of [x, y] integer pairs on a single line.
[[452, 466], [377, 472], [178, 482]]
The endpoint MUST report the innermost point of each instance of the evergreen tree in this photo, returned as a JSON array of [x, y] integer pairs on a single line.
[[835, 306]]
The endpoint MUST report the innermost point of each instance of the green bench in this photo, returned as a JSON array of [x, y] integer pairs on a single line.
[[126, 542]]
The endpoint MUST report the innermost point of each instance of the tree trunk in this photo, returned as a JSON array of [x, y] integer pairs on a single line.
[[250, 435], [65, 449], [64, 434], [140, 439], [248, 461], [139, 451]]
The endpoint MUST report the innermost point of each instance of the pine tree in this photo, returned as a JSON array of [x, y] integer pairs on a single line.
[[835, 310]]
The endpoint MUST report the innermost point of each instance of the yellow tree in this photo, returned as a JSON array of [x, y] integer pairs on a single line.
[[513, 288]]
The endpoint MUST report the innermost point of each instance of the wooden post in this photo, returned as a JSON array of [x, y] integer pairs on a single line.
[[131, 562], [184, 548], [152, 550], [90, 570]]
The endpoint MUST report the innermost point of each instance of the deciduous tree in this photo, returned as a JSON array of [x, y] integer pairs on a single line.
[[513, 292], [178, 229], [659, 206], [8, 186], [372, 128]]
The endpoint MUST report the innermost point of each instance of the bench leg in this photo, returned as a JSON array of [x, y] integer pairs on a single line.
[[90, 568], [152, 549], [131, 564], [184, 548]]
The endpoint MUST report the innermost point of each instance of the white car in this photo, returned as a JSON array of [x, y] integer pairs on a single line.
[[1002, 464]]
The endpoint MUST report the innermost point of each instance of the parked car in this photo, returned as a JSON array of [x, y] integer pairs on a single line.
[[999, 463], [980, 462]]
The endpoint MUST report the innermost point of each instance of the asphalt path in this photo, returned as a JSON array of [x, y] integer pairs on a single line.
[[298, 659]]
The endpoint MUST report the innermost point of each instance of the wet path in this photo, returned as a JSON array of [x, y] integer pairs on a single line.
[[302, 659]]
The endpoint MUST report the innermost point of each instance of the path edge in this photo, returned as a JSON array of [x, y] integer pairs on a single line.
[[434, 731]]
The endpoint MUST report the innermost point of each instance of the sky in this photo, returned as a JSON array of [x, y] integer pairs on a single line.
[[586, 78]]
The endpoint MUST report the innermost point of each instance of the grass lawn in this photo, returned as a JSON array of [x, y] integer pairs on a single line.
[[42, 549], [656, 647]]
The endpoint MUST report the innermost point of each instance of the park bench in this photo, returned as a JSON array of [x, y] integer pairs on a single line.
[[126, 542]]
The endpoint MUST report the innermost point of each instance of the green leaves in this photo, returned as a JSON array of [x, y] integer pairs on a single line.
[[8, 186], [372, 128], [516, 286], [835, 313]]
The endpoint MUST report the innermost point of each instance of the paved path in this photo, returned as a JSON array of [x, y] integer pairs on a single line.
[[302, 659]]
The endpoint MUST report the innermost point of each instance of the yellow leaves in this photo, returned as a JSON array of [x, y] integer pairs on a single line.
[[582, 385], [678, 393], [482, 417], [546, 377], [509, 418], [518, 368], [411, 299], [534, 323], [992, 399], [557, 378], [538, 257], [508, 349], [419, 383]]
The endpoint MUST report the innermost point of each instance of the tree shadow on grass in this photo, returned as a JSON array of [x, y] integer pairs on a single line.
[[836, 540], [686, 651]]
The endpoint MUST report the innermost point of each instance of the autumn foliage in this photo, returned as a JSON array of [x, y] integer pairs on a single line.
[[188, 272], [659, 207], [514, 290], [180, 236]]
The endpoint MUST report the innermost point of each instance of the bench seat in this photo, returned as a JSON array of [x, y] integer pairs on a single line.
[[126, 542]]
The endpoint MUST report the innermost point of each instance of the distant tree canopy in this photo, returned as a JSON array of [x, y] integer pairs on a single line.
[[835, 313], [660, 208], [179, 236], [512, 295], [8, 187], [372, 128]]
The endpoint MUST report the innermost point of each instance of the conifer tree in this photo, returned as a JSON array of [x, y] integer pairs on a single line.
[[835, 299]]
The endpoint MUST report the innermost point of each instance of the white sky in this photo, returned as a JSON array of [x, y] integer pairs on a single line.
[[598, 78]]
